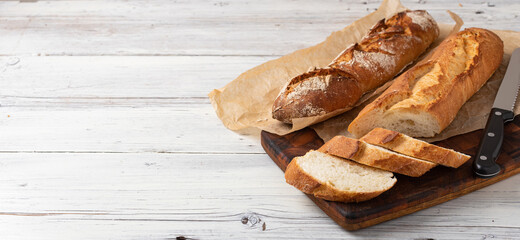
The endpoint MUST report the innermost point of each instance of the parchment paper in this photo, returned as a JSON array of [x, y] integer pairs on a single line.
[[472, 116], [247, 100]]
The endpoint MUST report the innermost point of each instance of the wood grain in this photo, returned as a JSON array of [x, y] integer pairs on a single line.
[[410, 194], [194, 28], [107, 132]]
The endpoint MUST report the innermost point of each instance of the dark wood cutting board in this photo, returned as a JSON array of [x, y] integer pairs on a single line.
[[409, 194]]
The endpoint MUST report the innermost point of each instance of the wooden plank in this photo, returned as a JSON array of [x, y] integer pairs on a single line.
[[158, 196], [163, 27], [410, 194], [192, 191], [26, 79], [51, 116], [191, 128], [89, 104]]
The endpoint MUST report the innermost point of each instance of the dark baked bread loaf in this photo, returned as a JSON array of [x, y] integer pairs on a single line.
[[385, 51]]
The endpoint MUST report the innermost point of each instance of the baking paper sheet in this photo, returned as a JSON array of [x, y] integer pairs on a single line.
[[246, 101]]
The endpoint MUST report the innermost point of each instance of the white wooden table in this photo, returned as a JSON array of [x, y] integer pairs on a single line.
[[106, 131]]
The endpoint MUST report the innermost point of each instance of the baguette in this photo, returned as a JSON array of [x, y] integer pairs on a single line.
[[406, 145], [374, 156], [337, 179], [425, 99], [387, 49]]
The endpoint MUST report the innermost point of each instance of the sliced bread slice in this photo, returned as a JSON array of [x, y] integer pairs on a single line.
[[406, 145], [337, 179], [375, 156]]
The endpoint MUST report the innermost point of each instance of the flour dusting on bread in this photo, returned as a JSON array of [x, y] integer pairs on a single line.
[[389, 46], [309, 109], [422, 19], [317, 83], [368, 60]]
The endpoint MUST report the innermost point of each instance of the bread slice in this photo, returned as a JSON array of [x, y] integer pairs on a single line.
[[375, 156], [424, 100], [337, 179], [406, 145]]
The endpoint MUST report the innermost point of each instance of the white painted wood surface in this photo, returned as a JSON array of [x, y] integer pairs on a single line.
[[107, 133]]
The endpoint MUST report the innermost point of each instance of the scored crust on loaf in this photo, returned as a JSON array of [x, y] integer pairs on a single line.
[[337, 179], [376, 156], [425, 99], [386, 50], [315, 93], [406, 145]]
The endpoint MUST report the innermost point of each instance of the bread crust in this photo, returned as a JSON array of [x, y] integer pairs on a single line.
[[341, 90], [384, 52], [443, 100], [300, 179], [403, 144], [366, 154]]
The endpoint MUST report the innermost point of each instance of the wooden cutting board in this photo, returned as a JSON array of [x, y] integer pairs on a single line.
[[409, 194]]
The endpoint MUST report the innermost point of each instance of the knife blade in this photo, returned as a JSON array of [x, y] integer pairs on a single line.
[[485, 165]]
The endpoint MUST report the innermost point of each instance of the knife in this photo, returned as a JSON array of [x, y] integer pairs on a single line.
[[484, 165]]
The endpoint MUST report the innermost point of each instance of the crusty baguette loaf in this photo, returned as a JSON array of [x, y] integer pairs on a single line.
[[375, 156], [337, 179], [409, 146], [387, 48], [425, 99]]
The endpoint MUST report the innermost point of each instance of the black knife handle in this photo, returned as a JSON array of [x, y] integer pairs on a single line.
[[484, 165]]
